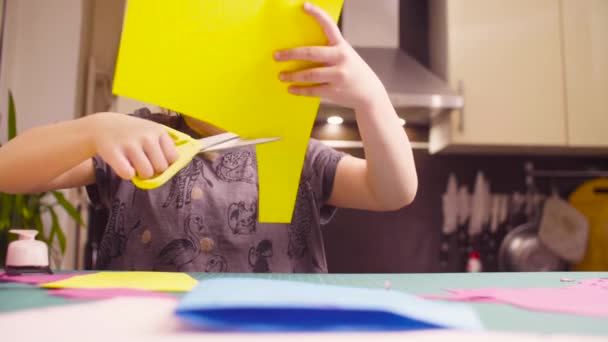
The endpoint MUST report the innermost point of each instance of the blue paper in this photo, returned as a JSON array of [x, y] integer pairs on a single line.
[[246, 304]]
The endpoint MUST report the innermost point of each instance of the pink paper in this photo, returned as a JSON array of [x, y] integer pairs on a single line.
[[107, 293], [588, 298], [35, 279]]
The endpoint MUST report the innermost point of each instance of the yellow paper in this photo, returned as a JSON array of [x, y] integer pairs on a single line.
[[152, 281], [213, 60]]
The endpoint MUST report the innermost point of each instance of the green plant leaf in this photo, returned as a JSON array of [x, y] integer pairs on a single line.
[[61, 238], [27, 217], [56, 230], [51, 238], [26, 212], [5, 213], [39, 227], [29, 208], [69, 208], [12, 117], [17, 221]]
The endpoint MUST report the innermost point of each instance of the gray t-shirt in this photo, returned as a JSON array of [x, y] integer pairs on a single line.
[[205, 218]]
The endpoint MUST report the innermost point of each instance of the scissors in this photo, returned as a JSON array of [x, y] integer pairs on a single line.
[[188, 147]]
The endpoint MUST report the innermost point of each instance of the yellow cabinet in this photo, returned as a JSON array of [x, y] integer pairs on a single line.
[[506, 57], [585, 33]]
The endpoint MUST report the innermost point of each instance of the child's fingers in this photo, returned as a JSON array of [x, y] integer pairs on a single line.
[[140, 161], [318, 54], [168, 147], [121, 165], [155, 154], [331, 30], [315, 75], [313, 91]]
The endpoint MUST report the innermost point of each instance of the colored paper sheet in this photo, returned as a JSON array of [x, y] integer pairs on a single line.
[[213, 60], [112, 320], [589, 298], [272, 305], [153, 281], [152, 320], [107, 293], [35, 279]]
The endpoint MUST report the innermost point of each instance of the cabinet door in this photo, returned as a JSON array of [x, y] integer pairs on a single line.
[[507, 55], [585, 27]]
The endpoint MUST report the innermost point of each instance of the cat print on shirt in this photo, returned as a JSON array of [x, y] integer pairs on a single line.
[[238, 166], [242, 217], [216, 264], [259, 255]]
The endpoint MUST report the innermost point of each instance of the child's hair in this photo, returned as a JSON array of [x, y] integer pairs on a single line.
[[169, 112]]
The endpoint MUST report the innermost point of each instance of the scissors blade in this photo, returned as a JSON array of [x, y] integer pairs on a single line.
[[238, 142], [215, 140]]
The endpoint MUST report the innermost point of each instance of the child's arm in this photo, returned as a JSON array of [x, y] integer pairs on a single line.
[[386, 179], [59, 155]]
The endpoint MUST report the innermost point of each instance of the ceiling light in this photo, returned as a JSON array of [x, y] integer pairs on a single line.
[[335, 120], [401, 122]]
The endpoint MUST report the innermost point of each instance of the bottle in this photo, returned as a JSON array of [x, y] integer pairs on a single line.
[[474, 262], [27, 255]]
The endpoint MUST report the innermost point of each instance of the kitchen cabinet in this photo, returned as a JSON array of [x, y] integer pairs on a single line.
[[505, 56], [585, 26]]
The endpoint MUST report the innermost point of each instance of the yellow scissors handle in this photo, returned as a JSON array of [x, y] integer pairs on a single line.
[[187, 147]]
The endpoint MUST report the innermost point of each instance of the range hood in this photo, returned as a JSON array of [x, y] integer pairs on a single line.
[[416, 92], [381, 32]]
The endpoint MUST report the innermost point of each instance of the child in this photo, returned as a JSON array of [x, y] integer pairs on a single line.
[[205, 218]]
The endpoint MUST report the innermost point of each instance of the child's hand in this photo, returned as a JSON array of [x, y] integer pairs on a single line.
[[132, 145], [345, 79]]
